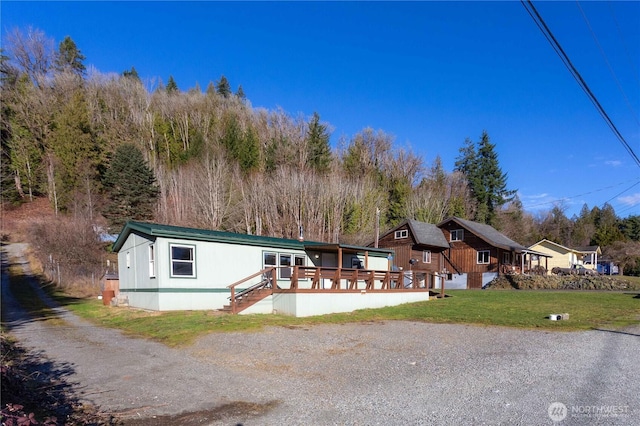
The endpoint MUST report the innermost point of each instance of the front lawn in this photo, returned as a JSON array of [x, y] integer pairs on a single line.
[[509, 308]]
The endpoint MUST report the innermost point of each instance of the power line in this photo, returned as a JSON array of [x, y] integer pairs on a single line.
[[606, 60], [619, 194], [587, 193], [533, 12]]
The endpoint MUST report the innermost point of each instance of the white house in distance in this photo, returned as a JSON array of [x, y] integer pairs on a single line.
[[164, 268]]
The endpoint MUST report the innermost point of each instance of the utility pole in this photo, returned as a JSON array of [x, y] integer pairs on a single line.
[[377, 227]]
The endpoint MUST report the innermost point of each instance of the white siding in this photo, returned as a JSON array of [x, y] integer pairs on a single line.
[[310, 304]]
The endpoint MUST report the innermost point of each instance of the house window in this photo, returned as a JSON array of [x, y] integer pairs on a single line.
[[457, 235], [506, 258], [182, 261], [285, 265], [401, 234], [426, 256], [152, 261], [299, 260], [269, 260], [484, 256]]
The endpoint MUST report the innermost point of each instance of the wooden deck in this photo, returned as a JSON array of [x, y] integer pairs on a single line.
[[321, 280]]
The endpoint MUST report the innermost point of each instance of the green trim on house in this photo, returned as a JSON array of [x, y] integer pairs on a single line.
[[194, 234]]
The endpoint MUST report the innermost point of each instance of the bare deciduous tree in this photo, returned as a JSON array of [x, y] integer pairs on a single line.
[[33, 52]]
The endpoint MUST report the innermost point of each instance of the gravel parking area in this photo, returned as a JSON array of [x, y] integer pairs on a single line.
[[379, 373]]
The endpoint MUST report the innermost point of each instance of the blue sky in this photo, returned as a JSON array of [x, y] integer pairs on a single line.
[[429, 73]]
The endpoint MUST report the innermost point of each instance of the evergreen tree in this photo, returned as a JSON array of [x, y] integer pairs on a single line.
[[76, 151], [467, 164], [493, 181], [172, 86], [223, 88], [249, 152], [631, 227], [399, 191], [69, 57], [555, 226], [607, 226], [240, 93], [583, 228], [133, 74], [130, 187], [318, 145], [242, 146], [487, 182]]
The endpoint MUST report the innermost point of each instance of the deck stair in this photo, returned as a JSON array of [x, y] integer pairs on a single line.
[[242, 299]]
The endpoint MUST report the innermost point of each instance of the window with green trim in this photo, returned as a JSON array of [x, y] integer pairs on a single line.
[[183, 260]]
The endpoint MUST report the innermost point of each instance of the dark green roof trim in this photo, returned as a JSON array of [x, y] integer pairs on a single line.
[[195, 234]]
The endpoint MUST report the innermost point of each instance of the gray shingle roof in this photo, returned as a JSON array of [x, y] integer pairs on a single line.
[[427, 234], [487, 233]]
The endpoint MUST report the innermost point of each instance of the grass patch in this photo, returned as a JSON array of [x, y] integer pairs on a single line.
[[520, 309]]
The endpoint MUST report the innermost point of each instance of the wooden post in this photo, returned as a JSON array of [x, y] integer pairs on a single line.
[[294, 277], [336, 280], [233, 300], [370, 281], [353, 282], [274, 279], [442, 288]]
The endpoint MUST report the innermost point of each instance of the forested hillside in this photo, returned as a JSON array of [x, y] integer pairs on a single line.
[[112, 146]]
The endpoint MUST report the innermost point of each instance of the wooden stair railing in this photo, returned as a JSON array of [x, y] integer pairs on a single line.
[[450, 262], [244, 298]]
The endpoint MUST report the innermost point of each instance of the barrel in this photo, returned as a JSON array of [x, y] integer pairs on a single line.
[[107, 295]]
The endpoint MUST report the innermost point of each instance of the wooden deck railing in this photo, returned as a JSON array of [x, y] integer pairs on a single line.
[[269, 280], [360, 279]]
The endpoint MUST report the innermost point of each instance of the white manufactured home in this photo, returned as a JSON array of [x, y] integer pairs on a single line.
[[167, 268]]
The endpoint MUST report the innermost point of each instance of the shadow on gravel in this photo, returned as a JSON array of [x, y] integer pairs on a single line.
[[232, 412], [41, 387], [618, 332], [25, 297]]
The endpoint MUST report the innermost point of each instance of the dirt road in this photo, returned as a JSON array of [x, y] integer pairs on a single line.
[[391, 373]]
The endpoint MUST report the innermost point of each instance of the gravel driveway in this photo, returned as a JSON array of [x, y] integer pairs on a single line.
[[382, 373]]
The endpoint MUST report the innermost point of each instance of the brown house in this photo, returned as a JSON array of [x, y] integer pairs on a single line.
[[418, 251], [468, 253], [418, 246], [478, 253]]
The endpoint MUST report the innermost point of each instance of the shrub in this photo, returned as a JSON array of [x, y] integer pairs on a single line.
[[70, 254]]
